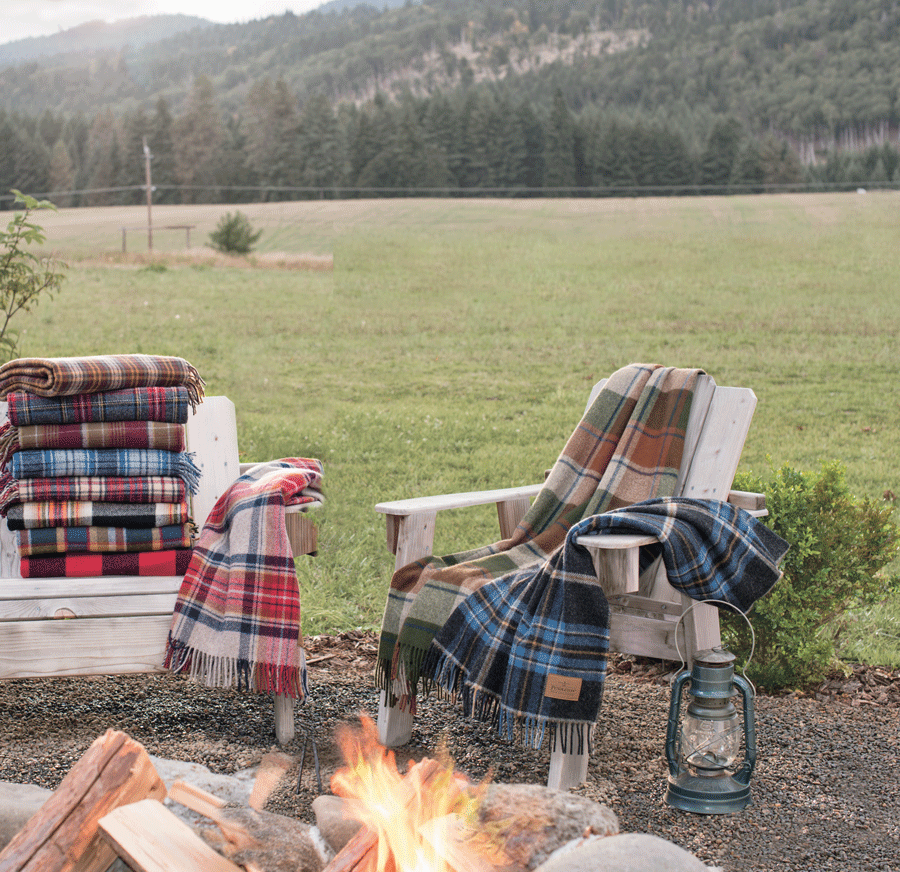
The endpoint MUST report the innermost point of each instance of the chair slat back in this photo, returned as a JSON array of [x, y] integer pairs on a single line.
[[717, 428]]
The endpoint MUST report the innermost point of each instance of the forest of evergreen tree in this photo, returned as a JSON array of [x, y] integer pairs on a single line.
[[472, 141]]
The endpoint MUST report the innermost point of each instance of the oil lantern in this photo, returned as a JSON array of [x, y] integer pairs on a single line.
[[703, 747]]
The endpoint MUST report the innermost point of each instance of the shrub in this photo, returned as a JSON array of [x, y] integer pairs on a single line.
[[234, 234], [838, 546], [23, 275]]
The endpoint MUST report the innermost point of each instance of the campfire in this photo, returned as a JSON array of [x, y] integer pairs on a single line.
[[429, 818], [424, 821]]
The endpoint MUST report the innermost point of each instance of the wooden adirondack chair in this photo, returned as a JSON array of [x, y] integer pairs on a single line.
[[120, 625], [648, 617]]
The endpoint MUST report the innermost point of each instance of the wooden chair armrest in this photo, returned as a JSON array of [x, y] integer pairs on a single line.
[[753, 503], [417, 505], [617, 559], [410, 523]]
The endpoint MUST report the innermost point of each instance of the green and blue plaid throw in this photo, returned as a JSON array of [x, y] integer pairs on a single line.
[[60, 540], [626, 448], [500, 647]]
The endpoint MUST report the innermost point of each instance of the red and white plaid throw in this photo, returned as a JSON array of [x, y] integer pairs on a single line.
[[237, 616]]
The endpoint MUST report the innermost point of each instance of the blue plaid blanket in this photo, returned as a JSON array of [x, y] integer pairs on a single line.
[[506, 642], [116, 462]]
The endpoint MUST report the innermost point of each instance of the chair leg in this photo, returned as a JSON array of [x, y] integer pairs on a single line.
[[284, 718], [567, 769], [394, 725]]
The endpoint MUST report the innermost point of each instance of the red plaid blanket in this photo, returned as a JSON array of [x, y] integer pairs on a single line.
[[97, 434], [237, 616], [170, 562], [65, 376]]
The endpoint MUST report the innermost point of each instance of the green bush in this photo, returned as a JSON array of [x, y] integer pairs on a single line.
[[838, 546], [234, 234], [24, 275]]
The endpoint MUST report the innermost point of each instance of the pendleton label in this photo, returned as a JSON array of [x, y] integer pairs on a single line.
[[562, 687]]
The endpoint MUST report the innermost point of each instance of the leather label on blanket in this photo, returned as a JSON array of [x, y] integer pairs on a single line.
[[563, 687]]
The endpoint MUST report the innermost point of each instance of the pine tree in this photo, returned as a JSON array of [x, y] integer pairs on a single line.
[[199, 135], [62, 175], [559, 149], [102, 159], [161, 143], [132, 167], [320, 158], [718, 159], [31, 164], [7, 159]]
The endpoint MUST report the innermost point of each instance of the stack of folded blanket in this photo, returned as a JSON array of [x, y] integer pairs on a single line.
[[95, 478]]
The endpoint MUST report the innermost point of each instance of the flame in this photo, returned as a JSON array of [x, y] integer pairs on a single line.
[[424, 821]]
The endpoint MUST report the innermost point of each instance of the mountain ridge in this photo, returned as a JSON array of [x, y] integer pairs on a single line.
[[97, 36]]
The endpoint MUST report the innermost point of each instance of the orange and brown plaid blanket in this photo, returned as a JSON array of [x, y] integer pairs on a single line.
[[67, 376]]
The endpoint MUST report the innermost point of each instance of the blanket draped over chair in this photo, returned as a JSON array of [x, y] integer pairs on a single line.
[[627, 448], [237, 615], [505, 646]]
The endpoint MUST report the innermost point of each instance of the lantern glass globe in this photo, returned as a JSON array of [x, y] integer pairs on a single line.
[[709, 745]]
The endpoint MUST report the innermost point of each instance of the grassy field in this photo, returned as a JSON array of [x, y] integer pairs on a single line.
[[453, 344]]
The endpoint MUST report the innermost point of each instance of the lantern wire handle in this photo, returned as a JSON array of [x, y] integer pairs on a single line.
[[686, 612]]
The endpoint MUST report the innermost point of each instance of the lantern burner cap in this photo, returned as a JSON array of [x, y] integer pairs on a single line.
[[714, 657]]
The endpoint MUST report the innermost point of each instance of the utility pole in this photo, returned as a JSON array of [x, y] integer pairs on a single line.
[[147, 158]]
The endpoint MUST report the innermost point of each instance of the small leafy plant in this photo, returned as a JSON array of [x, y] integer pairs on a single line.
[[234, 234], [839, 545], [24, 276]]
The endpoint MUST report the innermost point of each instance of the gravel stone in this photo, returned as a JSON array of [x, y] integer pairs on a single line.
[[825, 794]]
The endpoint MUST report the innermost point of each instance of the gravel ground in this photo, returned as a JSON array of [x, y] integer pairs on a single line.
[[825, 793]]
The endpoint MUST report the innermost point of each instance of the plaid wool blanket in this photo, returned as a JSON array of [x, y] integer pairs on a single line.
[[59, 540], [170, 562], [67, 376], [99, 434], [503, 646], [237, 616], [171, 404], [150, 489], [626, 448], [114, 462], [29, 516]]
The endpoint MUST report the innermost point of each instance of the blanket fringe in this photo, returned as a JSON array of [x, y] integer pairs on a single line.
[[194, 384], [9, 443], [214, 670], [446, 674], [188, 471], [9, 492]]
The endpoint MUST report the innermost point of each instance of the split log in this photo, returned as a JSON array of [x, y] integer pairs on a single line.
[[271, 770], [250, 838], [62, 836], [151, 839]]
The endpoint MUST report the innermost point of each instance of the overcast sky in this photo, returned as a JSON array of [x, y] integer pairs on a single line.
[[21, 18]]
